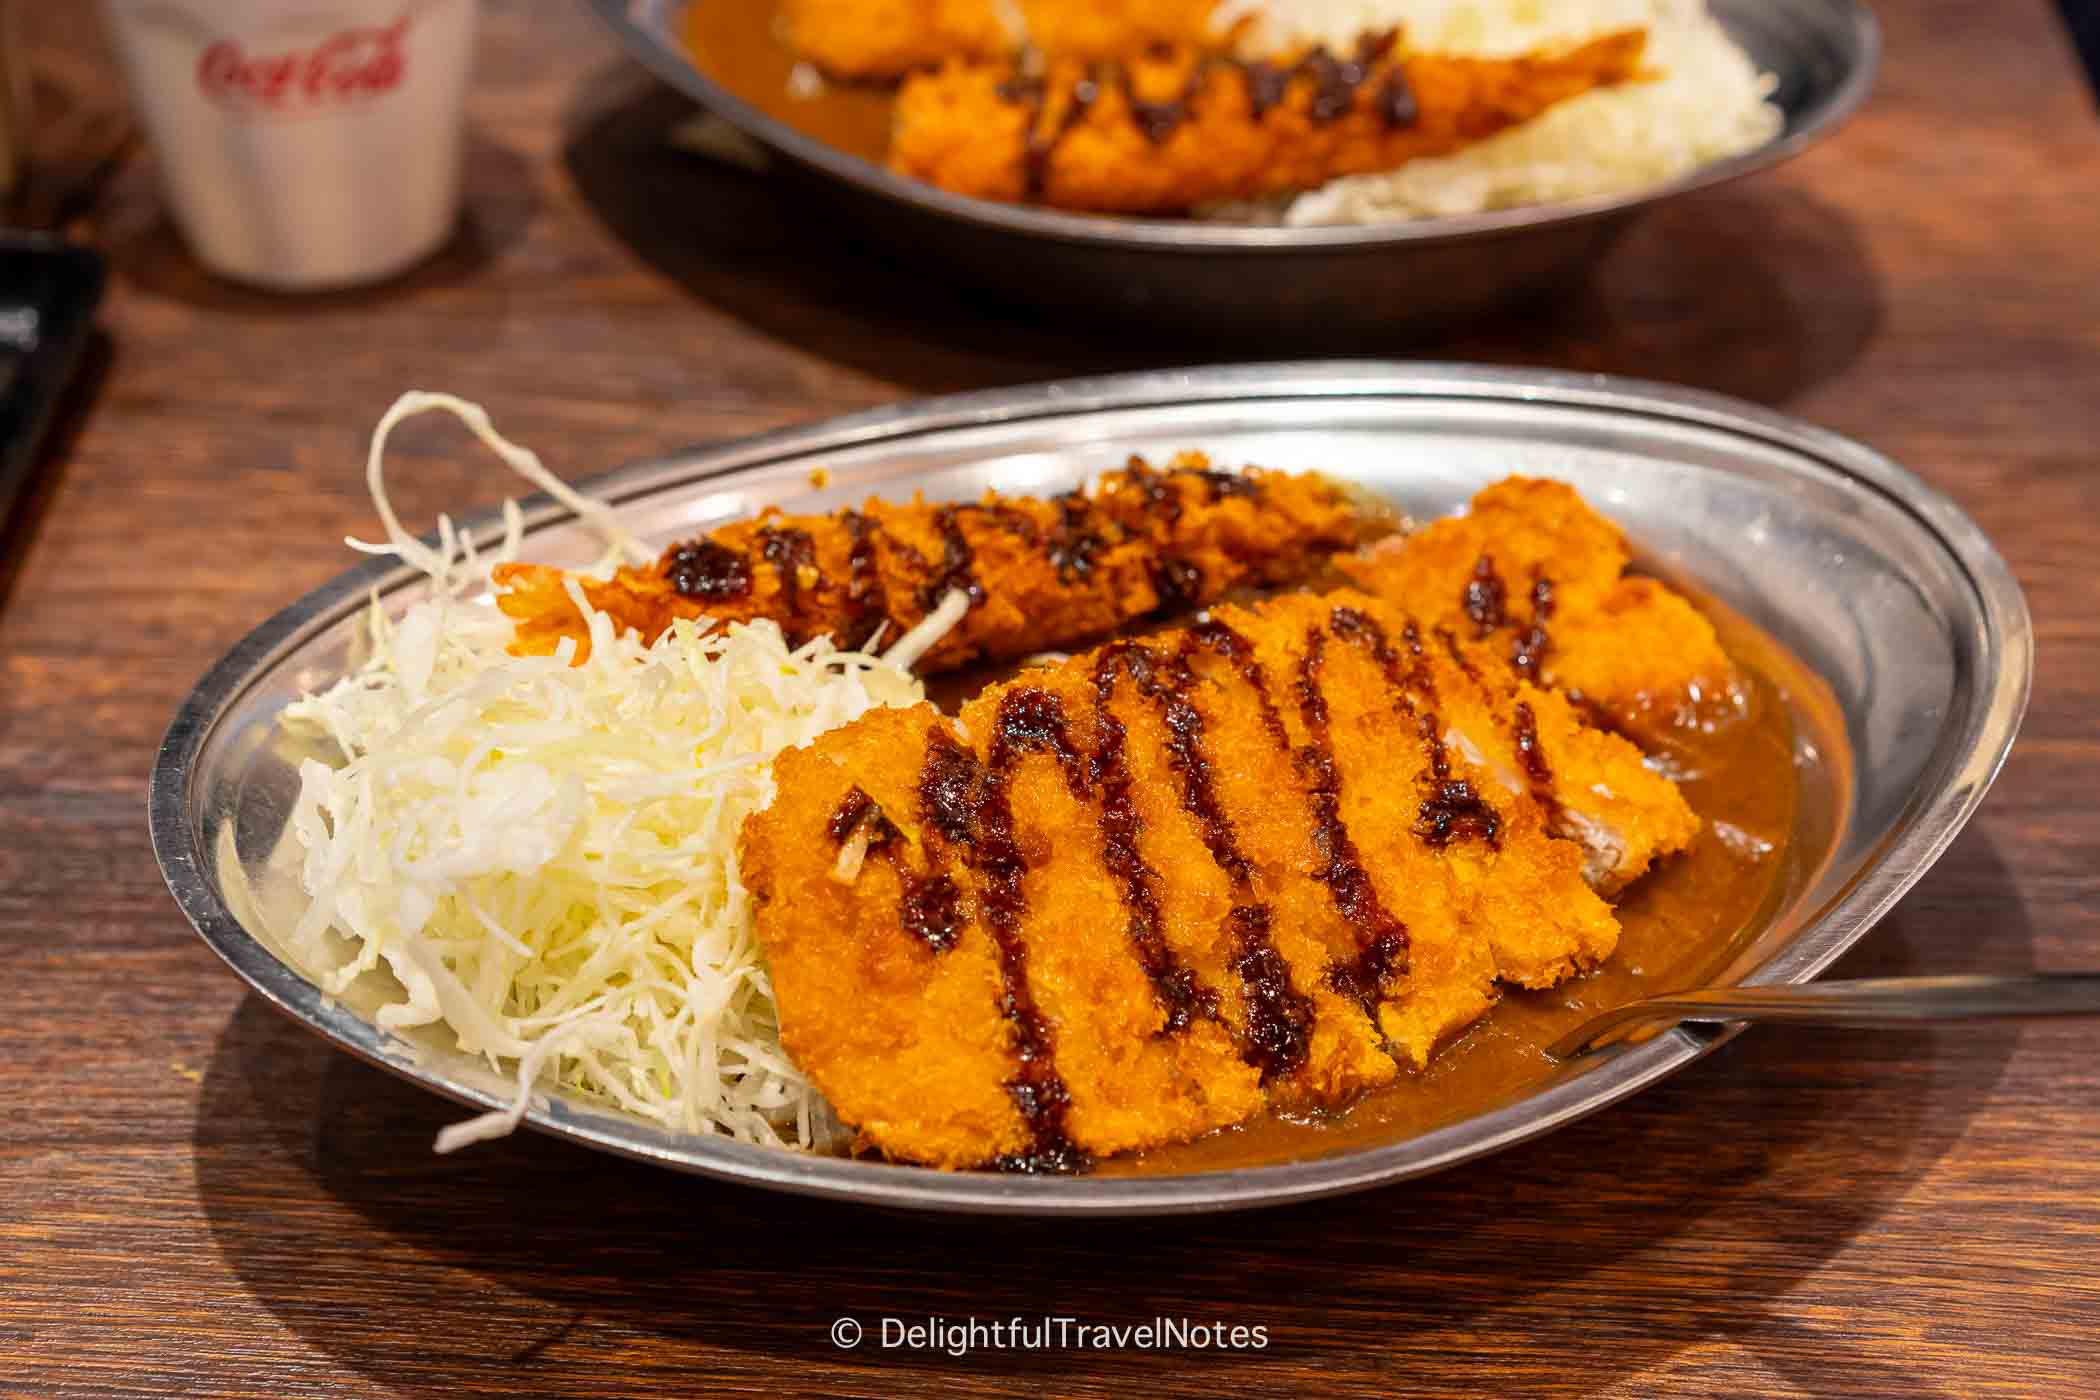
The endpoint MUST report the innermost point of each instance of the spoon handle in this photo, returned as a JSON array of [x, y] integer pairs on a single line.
[[1879, 1001]]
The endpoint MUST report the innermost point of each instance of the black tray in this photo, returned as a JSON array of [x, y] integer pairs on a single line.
[[48, 293]]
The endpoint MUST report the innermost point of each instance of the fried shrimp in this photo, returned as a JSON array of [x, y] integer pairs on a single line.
[[1166, 130], [1036, 573]]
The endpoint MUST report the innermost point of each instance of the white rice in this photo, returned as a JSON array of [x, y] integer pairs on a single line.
[[1708, 103]]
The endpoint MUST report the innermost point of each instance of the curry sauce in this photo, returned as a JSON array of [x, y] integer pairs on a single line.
[[739, 46]]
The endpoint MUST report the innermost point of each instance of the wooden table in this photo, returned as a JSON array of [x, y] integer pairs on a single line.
[[198, 1198]]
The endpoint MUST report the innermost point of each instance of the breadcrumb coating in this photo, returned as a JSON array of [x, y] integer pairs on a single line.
[[1276, 857], [1041, 573], [1166, 130], [1533, 572], [886, 39]]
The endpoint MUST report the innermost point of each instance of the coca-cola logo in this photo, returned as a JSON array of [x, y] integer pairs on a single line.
[[351, 65]]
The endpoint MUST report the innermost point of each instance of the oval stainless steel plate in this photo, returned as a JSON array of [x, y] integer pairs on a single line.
[[1244, 279], [1870, 576]]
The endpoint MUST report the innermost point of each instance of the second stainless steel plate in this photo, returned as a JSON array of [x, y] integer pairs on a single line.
[[1289, 284], [1875, 580]]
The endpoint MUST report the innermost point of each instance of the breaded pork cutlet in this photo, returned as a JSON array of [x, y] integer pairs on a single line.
[[885, 39], [1532, 572], [1165, 130], [1096, 30], [1590, 786], [1122, 900], [1038, 573]]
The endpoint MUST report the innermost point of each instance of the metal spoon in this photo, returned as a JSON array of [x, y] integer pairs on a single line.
[[1878, 1001]]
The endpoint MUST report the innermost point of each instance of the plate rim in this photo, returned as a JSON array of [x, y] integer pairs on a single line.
[[645, 41], [2004, 636]]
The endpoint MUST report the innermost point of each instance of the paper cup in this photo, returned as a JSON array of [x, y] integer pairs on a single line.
[[303, 147]]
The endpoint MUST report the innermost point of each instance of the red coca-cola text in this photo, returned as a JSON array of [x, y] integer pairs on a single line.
[[350, 65]]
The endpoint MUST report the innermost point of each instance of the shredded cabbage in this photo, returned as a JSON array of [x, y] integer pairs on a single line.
[[543, 853]]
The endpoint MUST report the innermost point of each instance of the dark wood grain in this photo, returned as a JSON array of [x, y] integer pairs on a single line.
[[198, 1199]]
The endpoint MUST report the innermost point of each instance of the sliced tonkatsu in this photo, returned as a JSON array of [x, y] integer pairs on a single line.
[[1533, 572], [1037, 573], [1278, 856]]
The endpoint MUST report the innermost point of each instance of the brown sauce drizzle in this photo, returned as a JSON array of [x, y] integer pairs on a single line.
[[1180, 998], [864, 602], [1453, 810], [1239, 652], [852, 811], [1078, 102], [930, 907], [1162, 498], [1074, 543], [1353, 626], [1279, 1017], [1266, 86], [1419, 677], [1160, 120], [1024, 92], [1224, 484], [931, 910], [1004, 515], [948, 788], [1458, 656], [1032, 94], [1397, 106], [789, 551], [958, 566], [1530, 647], [1177, 581], [1184, 725], [1279, 1020], [1485, 597], [1335, 82], [1028, 720], [1525, 729], [705, 569], [1033, 721], [1381, 936]]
